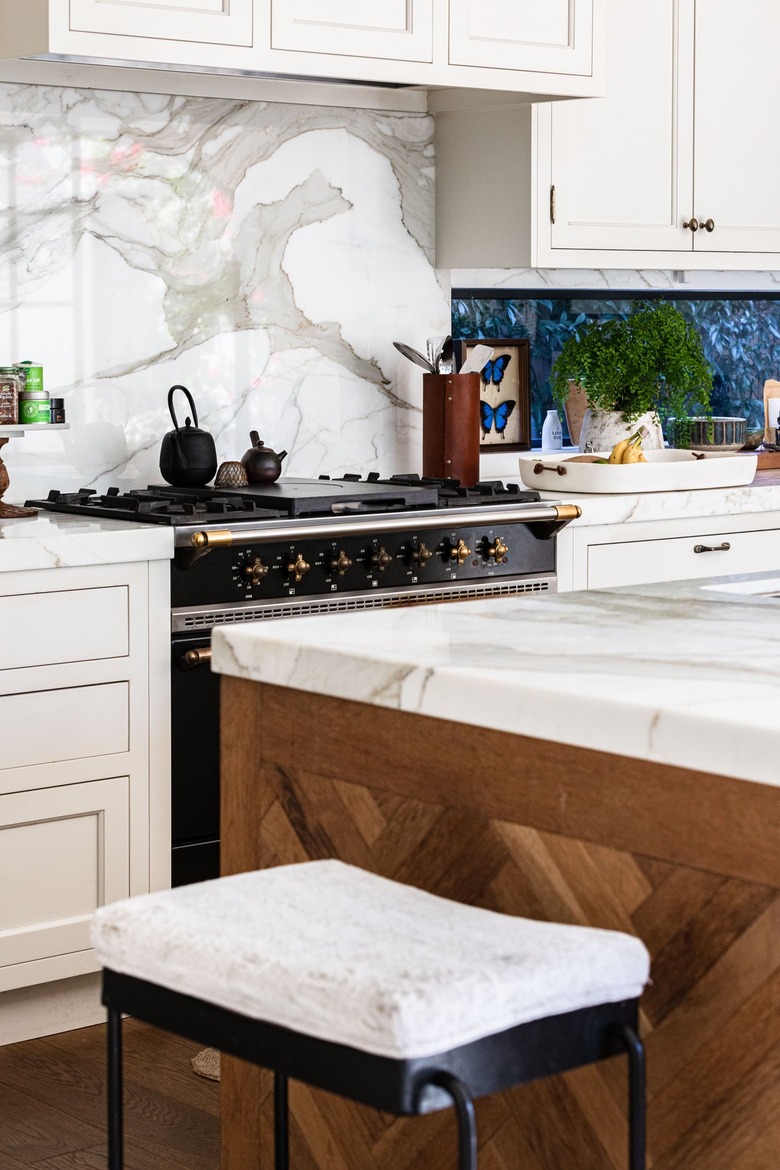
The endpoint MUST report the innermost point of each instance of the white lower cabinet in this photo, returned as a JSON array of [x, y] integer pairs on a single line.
[[84, 769], [601, 556], [63, 852]]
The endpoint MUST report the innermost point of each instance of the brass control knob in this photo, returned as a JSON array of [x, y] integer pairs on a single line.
[[460, 553], [341, 563], [421, 555], [498, 550], [381, 559], [256, 571], [299, 568]]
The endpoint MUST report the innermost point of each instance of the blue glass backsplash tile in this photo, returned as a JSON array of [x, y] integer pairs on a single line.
[[740, 331]]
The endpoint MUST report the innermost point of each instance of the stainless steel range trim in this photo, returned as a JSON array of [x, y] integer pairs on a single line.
[[203, 617], [332, 527]]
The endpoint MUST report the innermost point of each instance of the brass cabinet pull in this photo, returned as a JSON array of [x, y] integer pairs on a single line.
[[692, 223], [709, 225], [700, 548]]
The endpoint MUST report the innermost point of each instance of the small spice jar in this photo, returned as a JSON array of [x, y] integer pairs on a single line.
[[11, 386], [34, 407], [57, 410]]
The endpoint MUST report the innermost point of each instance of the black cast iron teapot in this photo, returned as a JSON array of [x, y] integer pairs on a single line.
[[188, 455], [262, 464]]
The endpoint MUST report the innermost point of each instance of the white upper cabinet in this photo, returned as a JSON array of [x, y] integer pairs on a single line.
[[218, 22], [551, 36], [396, 29], [681, 158], [536, 48]]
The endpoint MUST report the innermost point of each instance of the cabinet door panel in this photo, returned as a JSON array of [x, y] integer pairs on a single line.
[[399, 30], [676, 559], [75, 625], [63, 853], [737, 159], [534, 35], [622, 165], [219, 22], [73, 723]]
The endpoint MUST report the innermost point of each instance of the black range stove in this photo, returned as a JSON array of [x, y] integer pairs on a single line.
[[308, 546]]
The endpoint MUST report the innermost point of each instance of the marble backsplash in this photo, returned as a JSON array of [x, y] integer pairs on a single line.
[[264, 255]]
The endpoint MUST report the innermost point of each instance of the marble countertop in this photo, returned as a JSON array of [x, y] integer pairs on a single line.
[[763, 495], [50, 540], [679, 673]]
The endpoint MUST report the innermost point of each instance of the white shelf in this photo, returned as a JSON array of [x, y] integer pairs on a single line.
[[22, 428]]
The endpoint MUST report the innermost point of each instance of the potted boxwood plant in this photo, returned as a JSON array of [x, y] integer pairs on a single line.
[[637, 370]]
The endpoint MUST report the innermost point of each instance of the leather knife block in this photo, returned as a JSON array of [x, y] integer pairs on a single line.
[[451, 427]]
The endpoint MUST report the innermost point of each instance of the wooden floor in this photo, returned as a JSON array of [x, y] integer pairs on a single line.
[[53, 1104]]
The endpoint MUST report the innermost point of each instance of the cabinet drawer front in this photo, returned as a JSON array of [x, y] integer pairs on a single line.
[[63, 853], [75, 723], [548, 36], [399, 30], [219, 22], [43, 629], [682, 558]]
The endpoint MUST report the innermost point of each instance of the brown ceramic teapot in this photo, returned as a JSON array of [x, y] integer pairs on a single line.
[[262, 464]]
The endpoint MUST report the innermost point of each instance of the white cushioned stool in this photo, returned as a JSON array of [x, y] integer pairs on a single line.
[[371, 989]]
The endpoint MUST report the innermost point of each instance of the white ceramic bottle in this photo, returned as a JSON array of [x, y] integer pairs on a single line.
[[552, 433]]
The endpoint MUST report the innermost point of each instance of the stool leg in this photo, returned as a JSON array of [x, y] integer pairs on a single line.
[[636, 1098], [281, 1125], [115, 1153], [467, 1121]]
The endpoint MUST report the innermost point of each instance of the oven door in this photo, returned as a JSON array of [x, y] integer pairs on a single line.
[[194, 761]]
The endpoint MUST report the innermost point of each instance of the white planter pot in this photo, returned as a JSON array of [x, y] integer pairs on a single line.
[[603, 428]]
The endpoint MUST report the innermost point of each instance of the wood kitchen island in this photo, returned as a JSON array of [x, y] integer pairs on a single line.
[[604, 758]]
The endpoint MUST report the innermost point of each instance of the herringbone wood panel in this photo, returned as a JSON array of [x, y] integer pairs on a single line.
[[710, 1017]]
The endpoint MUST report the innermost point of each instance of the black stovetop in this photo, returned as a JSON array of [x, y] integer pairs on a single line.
[[288, 497]]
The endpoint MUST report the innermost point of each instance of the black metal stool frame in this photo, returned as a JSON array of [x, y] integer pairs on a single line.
[[491, 1064]]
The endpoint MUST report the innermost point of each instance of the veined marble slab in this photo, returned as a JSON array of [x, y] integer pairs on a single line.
[[53, 541], [647, 506], [668, 673]]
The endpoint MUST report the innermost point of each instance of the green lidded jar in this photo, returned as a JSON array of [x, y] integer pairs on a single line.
[[34, 407], [32, 374]]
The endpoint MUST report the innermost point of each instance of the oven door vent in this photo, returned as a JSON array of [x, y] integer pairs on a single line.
[[205, 616]]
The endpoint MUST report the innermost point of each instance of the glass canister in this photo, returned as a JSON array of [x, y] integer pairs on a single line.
[[11, 386]]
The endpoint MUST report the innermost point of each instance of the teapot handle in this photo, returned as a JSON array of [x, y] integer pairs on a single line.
[[189, 399]]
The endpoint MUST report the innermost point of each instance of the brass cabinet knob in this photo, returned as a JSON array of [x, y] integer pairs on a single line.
[[256, 571], [422, 555], [381, 559], [692, 223], [709, 225], [341, 563], [299, 568], [498, 550], [460, 553]]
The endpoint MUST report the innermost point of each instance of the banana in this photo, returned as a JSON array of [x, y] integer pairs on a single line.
[[633, 453], [618, 451]]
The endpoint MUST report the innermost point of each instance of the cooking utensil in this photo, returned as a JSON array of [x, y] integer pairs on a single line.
[[188, 455], [414, 356], [261, 463], [444, 357], [475, 363]]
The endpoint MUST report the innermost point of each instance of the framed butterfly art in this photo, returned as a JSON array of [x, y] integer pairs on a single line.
[[504, 392]]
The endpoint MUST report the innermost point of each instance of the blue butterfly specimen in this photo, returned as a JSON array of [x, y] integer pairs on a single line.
[[493, 370], [497, 416]]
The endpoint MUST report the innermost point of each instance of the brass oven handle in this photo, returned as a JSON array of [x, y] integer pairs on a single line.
[[700, 548], [192, 658]]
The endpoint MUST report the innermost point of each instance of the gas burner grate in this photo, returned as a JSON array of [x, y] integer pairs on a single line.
[[150, 506]]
